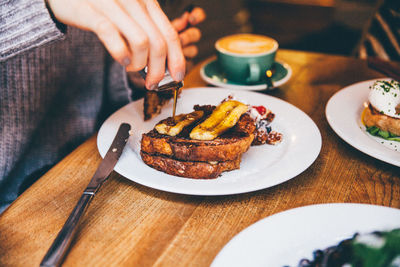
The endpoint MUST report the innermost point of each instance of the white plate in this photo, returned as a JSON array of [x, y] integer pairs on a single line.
[[261, 167], [343, 113], [287, 237]]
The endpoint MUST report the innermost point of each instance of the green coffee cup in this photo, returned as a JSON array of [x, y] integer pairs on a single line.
[[244, 58]]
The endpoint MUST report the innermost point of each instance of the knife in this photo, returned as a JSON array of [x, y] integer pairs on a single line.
[[61, 244]]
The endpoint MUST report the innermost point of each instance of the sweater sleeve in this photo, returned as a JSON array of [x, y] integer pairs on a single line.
[[25, 24]]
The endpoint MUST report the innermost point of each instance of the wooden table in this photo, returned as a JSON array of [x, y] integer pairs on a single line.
[[131, 225]]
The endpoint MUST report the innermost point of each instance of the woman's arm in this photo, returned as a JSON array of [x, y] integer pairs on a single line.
[[25, 24]]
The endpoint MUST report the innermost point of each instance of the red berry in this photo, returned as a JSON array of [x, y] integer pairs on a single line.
[[261, 109]]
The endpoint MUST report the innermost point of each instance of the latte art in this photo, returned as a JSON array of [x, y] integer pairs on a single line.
[[246, 44]]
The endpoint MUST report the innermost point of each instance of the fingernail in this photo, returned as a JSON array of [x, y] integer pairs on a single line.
[[153, 86], [126, 61], [179, 76]]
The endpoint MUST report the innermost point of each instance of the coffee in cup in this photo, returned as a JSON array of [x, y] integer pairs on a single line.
[[245, 58]]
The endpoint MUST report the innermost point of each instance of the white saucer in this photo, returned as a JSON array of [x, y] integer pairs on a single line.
[[211, 73]]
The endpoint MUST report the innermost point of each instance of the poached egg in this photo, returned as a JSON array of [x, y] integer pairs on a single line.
[[384, 96]]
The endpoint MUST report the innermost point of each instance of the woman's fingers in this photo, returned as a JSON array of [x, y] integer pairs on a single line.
[[114, 43], [156, 63], [191, 35], [106, 31], [135, 32], [197, 16], [82, 15], [181, 23], [175, 58], [190, 51], [129, 29], [157, 45]]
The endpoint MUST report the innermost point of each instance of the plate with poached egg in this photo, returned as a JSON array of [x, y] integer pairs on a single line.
[[367, 116]]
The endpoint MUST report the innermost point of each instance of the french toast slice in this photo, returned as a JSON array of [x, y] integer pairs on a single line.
[[226, 147], [176, 153], [189, 169], [373, 117], [223, 148], [154, 101]]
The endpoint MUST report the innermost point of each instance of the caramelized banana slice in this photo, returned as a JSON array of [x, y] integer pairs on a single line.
[[165, 125], [224, 117], [219, 113], [180, 122]]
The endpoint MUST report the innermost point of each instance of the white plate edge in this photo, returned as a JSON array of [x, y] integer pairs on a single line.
[[289, 212], [370, 151]]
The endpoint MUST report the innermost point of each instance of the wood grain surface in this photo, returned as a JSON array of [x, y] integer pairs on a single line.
[[131, 225]]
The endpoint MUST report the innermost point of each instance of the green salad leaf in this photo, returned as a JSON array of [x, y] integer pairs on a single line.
[[375, 131], [384, 255]]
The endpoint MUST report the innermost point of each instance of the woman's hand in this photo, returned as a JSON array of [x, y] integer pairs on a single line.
[[136, 33], [188, 34]]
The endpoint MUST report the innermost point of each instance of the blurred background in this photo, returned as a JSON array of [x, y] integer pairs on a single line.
[[329, 26]]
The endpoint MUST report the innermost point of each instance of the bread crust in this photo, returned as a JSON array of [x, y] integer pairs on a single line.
[[182, 156], [189, 169], [226, 147], [372, 117], [154, 101]]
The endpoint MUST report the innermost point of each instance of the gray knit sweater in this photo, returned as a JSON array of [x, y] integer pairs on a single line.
[[56, 86]]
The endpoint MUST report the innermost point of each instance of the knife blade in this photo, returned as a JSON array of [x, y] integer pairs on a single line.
[[58, 250]]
